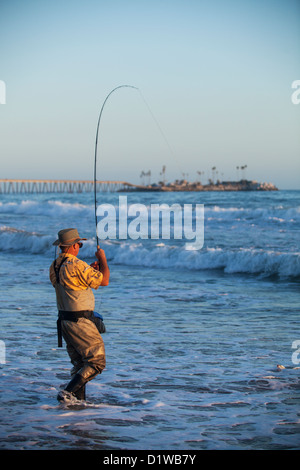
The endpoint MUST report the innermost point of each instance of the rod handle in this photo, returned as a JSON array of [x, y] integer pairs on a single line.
[[98, 248]]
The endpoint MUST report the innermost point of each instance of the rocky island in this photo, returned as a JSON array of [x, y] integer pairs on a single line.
[[184, 185]]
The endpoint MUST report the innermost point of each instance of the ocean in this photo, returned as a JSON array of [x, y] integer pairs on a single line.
[[194, 337]]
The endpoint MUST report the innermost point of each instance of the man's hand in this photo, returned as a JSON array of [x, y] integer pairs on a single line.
[[103, 267], [100, 255], [95, 265]]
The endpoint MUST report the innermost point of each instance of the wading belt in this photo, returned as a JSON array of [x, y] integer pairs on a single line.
[[65, 315], [71, 316]]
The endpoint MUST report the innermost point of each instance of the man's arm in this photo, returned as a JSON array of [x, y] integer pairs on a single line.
[[103, 266], [52, 275]]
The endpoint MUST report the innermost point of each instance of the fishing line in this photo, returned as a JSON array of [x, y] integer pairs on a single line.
[[96, 143], [160, 130], [96, 146]]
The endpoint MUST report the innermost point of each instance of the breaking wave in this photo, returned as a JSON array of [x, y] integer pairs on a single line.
[[15, 240], [162, 255], [48, 208], [58, 209], [268, 263]]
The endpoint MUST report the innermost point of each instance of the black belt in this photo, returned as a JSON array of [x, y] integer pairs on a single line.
[[71, 316]]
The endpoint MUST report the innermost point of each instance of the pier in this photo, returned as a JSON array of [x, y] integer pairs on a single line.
[[13, 186]]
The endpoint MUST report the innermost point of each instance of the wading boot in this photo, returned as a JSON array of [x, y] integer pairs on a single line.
[[80, 394], [75, 388]]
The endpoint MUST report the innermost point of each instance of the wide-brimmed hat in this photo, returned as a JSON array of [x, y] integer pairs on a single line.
[[67, 237]]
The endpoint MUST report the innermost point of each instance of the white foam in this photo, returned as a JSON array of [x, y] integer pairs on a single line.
[[59, 208], [152, 254]]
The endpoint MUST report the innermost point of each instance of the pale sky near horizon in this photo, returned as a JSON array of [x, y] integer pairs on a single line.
[[216, 77]]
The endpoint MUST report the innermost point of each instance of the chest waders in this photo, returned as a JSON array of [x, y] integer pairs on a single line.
[[76, 386]]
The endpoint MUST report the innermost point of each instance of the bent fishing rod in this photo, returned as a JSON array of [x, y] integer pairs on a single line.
[[96, 147]]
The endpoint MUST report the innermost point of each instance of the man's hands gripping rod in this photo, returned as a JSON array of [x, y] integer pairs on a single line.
[[101, 265]]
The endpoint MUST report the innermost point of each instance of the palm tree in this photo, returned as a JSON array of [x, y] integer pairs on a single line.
[[243, 171], [163, 174], [213, 173]]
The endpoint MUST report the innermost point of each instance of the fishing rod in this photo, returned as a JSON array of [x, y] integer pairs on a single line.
[[96, 147], [96, 144]]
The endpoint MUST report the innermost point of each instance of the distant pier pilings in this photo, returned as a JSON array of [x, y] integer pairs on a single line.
[[13, 186], [61, 186]]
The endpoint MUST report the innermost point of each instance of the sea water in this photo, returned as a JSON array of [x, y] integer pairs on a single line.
[[193, 340]]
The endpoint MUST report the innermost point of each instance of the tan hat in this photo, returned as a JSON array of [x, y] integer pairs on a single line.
[[67, 237]]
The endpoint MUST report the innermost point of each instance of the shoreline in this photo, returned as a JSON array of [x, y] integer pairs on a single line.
[[71, 186]]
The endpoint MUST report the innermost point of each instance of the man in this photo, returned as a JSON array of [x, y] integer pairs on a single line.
[[73, 280]]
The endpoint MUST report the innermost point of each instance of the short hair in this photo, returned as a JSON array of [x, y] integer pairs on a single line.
[[65, 248]]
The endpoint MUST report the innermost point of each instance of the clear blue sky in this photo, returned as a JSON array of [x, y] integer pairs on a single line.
[[216, 75]]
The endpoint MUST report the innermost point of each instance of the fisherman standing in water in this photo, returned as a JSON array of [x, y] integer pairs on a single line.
[[73, 280]]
